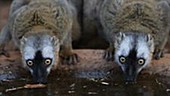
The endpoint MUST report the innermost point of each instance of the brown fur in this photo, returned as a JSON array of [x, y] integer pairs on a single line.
[[56, 17], [148, 16]]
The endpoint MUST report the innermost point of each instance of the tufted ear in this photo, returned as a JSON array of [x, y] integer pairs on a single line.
[[150, 42], [23, 40], [118, 38], [55, 42]]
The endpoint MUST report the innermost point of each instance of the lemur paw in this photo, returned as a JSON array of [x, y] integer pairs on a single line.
[[108, 55], [158, 54], [4, 52], [70, 60]]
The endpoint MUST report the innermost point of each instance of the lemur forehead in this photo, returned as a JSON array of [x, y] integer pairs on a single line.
[[142, 49], [38, 55], [29, 53], [38, 41], [126, 45], [48, 52], [134, 44]]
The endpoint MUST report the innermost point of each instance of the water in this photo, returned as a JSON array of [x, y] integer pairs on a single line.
[[69, 84]]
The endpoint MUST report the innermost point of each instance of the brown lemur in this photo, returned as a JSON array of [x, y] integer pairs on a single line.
[[43, 31], [137, 31]]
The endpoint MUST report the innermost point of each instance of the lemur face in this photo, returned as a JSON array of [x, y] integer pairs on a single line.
[[38, 54], [133, 51]]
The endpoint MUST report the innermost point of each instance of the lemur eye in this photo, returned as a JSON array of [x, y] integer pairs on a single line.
[[141, 61], [47, 61], [29, 62], [122, 59]]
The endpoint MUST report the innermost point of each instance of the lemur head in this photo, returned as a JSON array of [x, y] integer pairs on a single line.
[[39, 53], [133, 51]]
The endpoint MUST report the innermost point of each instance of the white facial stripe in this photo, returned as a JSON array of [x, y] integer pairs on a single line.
[[143, 52], [125, 46], [48, 52], [49, 69], [29, 53], [142, 49]]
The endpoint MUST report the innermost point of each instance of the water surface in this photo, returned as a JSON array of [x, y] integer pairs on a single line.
[[70, 84]]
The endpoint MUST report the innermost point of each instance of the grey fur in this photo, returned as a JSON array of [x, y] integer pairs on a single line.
[[148, 17], [42, 25]]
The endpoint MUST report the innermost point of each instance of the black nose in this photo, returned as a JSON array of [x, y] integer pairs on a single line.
[[40, 75], [130, 79], [40, 80]]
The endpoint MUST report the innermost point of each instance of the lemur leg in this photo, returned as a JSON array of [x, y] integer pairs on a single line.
[[159, 50], [164, 14], [109, 53], [5, 37], [66, 54], [158, 53]]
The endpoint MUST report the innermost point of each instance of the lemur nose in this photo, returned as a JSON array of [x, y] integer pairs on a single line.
[[41, 81], [40, 77], [130, 79]]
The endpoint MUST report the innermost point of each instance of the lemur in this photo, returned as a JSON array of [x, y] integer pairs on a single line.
[[137, 31], [43, 31]]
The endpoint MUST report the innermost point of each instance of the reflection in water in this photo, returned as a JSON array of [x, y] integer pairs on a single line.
[[67, 85]]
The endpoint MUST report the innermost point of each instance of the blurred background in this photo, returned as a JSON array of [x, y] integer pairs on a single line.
[[4, 9]]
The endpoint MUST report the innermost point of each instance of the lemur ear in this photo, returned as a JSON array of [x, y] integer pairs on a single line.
[[56, 43], [149, 38], [118, 38], [54, 40], [23, 40], [150, 41]]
